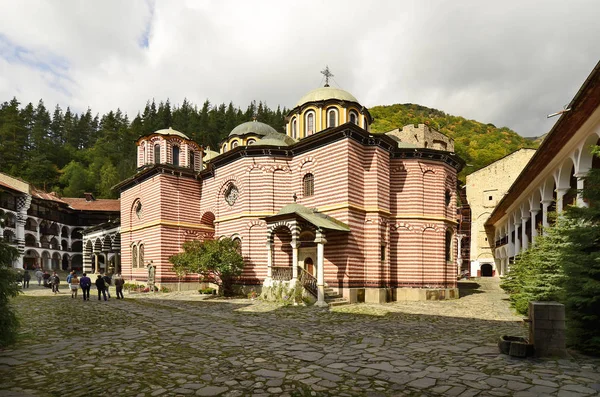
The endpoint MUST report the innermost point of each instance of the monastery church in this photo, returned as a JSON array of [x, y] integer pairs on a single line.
[[369, 216]]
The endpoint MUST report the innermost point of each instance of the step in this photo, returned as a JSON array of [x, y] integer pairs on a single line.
[[337, 302]]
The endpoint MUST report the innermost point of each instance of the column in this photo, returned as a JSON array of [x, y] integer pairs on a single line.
[[534, 231], [545, 205], [524, 240], [268, 280], [295, 245], [517, 240], [459, 238], [560, 193], [511, 246], [320, 240], [580, 184]]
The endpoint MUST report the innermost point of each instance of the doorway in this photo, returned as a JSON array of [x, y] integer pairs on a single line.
[[486, 270]]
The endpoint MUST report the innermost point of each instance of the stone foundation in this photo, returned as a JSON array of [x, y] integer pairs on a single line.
[[383, 295]]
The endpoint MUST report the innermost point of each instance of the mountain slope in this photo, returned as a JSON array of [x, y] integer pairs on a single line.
[[477, 143]]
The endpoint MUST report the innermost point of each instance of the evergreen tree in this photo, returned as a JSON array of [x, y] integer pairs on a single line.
[[581, 265], [9, 288]]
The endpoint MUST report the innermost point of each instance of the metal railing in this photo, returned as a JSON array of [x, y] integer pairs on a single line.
[[281, 273], [308, 281]]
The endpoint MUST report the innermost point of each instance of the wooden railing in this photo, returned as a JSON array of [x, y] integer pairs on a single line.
[[281, 273], [308, 281]]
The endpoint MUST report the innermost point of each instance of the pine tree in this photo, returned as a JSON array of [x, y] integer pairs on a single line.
[[581, 265]]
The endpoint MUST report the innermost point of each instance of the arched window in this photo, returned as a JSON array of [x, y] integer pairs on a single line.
[[238, 244], [250, 141], [448, 245], [310, 123], [192, 160], [224, 148], [134, 257], [143, 150], [141, 255], [294, 128], [176, 155], [332, 118], [308, 185], [353, 117], [234, 144], [448, 197], [156, 154]]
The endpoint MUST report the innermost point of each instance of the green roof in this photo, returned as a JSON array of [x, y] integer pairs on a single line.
[[324, 93], [255, 127], [209, 155], [171, 131], [314, 217], [275, 139]]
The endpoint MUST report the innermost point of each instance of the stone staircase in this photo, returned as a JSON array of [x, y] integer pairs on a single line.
[[333, 298]]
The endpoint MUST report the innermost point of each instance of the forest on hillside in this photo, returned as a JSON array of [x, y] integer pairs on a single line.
[[477, 143], [71, 153]]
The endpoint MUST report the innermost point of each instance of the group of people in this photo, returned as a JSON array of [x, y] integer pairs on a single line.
[[103, 283]]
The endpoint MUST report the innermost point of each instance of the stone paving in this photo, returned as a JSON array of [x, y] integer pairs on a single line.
[[177, 344]]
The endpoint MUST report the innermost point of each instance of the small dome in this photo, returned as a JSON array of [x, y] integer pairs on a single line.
[[171, 131], [324, 93], [275, 139], [255, 127], [209, 155]]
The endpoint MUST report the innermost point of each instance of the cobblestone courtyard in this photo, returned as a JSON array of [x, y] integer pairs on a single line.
[[177, 344]]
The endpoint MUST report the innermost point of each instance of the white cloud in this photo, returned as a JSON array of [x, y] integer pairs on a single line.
[[508, 63]]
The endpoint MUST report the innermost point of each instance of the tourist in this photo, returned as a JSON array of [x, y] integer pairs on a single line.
[[74, 285], [107, 282], [54, 281], [39, 275], [119, 282], [69, 277], [26, 278], [85, 283], [101, 287], [46, 278]]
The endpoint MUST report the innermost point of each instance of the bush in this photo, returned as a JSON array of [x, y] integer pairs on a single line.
[[207, 291], [9, 323]]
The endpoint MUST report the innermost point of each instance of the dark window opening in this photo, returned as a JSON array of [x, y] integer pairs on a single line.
[[308, 185]]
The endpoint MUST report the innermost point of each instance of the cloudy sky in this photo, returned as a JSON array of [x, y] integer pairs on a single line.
[[509, 62]]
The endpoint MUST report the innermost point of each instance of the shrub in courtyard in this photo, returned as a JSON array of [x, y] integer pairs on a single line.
[[9, 288], [536, 274], [217, 260], [581, 266]]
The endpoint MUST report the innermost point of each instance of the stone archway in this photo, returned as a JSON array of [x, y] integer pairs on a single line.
[[487, 270]]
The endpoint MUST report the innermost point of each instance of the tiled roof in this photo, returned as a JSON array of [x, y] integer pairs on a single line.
[[46, 196], [93, 205]]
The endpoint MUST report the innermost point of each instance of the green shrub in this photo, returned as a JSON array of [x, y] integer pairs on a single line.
[[207, 291], [9, 322]]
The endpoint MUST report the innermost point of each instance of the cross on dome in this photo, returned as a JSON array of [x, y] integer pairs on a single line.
[[327, 75]]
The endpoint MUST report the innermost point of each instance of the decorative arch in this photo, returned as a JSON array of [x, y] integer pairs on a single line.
[[310, 122], [208, 218], [353, 117], [333, 117]]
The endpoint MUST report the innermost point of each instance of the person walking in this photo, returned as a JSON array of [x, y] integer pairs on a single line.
[[101, 287], [26, 278], [39, 275], [69, 277], [85, 283], [46, 277], [54, 281], [74, 285], [107, 282], [119, 282]]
